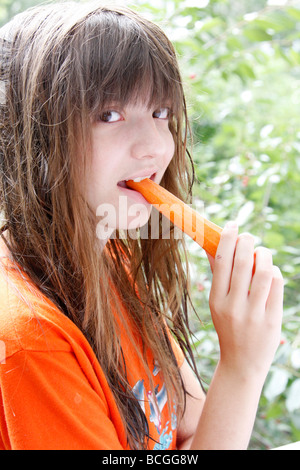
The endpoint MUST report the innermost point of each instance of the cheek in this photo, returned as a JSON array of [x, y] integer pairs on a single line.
[[171, 149], [95, 183], [99, 171]]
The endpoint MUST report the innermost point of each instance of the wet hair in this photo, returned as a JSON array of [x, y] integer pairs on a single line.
[[60, 65]]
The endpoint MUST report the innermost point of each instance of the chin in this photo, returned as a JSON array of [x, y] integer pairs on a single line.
[[137, 219]]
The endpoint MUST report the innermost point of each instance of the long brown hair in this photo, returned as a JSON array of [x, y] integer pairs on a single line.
[[60, 64]]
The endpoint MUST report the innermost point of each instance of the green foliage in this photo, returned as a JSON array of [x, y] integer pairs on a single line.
[[241, 67], [9, 8], [240, 63]]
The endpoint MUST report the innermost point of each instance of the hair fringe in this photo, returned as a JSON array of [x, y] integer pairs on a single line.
[[50, 97]]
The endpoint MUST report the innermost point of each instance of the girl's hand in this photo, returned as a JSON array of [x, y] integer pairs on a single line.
[[246, 303]]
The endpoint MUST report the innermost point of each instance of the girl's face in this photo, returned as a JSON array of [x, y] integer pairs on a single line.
[[127, 143]]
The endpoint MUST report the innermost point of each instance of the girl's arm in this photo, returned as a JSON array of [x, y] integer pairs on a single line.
[[246, 310]]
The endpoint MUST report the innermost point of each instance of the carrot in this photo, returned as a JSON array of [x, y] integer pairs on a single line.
[[204, 232]]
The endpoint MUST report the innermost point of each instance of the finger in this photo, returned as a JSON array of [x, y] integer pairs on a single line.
[[262, 278], [243, 266], [224, 260], [275, 299], [211, 261]]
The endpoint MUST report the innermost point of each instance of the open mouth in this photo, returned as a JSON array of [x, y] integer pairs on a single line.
[[123, 184]]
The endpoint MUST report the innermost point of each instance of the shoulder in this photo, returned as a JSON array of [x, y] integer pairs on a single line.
[[28, 319]]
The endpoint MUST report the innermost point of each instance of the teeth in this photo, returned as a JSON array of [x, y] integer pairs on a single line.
[[140, 178]]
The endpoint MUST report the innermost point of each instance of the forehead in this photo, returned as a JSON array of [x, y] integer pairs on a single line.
[[127, 62], [140, 94]]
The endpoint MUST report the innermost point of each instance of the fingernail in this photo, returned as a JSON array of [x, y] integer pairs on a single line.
[[231, 225]]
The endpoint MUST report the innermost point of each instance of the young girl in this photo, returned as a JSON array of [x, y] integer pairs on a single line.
[[94, 332]]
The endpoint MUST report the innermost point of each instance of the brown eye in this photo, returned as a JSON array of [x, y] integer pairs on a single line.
[[110, 116], [162, 113]]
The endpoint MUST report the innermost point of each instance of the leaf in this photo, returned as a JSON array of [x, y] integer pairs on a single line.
[[244, 71], [210, 24], [277, 384], [276, 21], [256, 34], [245, 213], [293, 396], [295, 359], [294, 56], [294, 12], [273, 240]]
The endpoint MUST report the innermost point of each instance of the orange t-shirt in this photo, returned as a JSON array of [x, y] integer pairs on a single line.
[[53, 392]]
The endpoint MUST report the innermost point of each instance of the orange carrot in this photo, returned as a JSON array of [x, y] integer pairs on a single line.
[[204, 232]]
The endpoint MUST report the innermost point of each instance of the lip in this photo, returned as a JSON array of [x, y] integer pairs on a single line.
[[142, 174], [131, 193]]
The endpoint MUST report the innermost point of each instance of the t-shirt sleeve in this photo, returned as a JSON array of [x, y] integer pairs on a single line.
[[48, 403]]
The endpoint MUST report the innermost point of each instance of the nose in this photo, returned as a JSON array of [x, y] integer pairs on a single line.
[[150, 140]]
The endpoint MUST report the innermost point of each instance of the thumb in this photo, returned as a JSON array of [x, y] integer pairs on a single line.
[[211, 261]]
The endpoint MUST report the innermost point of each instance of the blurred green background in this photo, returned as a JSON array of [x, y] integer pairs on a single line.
[[240, 63]]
